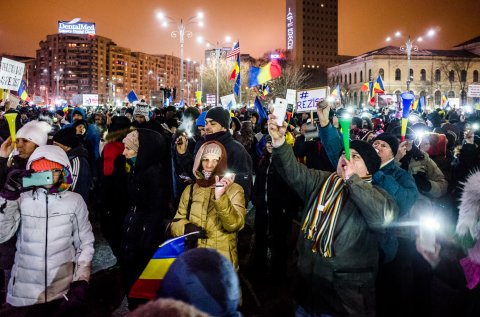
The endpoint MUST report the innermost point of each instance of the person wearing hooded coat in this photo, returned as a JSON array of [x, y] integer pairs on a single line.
[[147, 200], [55, 246], [92, 135], [78, 156], [217, 209], [113, 184]]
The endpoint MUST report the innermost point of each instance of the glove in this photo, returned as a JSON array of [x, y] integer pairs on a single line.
[[13, 185], [422, 182], [202, 233]]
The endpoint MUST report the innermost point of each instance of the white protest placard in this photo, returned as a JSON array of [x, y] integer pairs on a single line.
[[454, 102], [307, 99], [226, 100], [37, 99], [211, 100], [473, 90], [90, 100], [11, 73], [291, 96]]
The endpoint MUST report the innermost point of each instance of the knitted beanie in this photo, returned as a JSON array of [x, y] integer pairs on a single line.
[[212, 150], [390, 139], [35, 131], [205, 279], [131, 141], [45, 165], [67, 136], [142, 109], [368, 154], [220, 115]]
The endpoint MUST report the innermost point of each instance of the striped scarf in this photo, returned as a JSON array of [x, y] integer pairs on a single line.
[[321, 219]]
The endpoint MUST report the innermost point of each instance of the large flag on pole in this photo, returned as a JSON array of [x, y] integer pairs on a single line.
[[235, 52], [151, 278], [260, 75], [378, 86], [371, 93]]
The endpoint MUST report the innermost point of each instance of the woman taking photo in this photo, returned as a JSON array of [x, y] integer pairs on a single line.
[[214, 205]]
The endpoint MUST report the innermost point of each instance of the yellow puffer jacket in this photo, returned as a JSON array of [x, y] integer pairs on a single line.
[[221, 218]]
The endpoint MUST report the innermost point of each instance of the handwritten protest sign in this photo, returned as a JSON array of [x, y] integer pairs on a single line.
[[11, 73], [307, 99]]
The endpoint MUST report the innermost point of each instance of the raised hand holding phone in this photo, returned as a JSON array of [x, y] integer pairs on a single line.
[[280, 110]]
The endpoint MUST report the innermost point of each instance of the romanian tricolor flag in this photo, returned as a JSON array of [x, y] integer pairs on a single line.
[[378, 86], [365, 87], [337, 92], [444, 100], [236, 69], [22, 91], [149, 281], [371, 93], [266, 91], [260, 75]]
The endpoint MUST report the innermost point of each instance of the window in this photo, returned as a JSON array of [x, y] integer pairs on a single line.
[[438, 76], [345, 79], [423, 75], [381, 72], [361, 76], [355, 78], [398, 74], [369, 74], [463, 76], [411, 74], [475, 76], [438, 97], [451, 94], [451, 76], [350, 78]]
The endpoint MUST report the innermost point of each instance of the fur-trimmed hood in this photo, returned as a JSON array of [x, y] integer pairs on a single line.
[[469, 216]]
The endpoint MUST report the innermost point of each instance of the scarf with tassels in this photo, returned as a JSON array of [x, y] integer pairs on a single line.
[[321, 220]]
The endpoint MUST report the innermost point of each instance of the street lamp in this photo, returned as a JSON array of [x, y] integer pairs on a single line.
[[57, 77], [217, 53], [181, 32], [408, 47]]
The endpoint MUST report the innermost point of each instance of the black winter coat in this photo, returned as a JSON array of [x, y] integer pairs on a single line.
[[148, 204]]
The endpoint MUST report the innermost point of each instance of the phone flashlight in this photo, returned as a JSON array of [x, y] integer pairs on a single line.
[[428, 228]]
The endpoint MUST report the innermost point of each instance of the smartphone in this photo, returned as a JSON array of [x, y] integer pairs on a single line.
[[38, 179], [427, 239], [280, 110]]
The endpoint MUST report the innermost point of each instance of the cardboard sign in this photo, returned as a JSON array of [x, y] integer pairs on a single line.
[[473, 90], [228, 101], [307, 99], [90, 100], [291, 96], [11, 73]]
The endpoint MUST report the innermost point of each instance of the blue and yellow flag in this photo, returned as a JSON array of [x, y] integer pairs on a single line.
[[22, 91]]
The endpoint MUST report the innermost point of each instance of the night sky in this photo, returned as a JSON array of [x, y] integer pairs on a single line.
[[259, 25]]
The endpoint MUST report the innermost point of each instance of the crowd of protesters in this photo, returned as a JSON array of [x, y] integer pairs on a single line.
[[334, 232]]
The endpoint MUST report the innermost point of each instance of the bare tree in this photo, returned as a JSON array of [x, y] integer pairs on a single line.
[[456, 69], [293, 77]]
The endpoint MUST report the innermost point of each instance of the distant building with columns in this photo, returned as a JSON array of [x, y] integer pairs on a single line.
[[433, 73]]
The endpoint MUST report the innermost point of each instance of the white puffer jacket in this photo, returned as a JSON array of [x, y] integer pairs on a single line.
[[54, 248]]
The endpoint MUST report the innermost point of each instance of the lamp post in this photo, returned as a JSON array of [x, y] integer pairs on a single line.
[[181, 32], [217, 53], [57, 77], [408, 47]]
